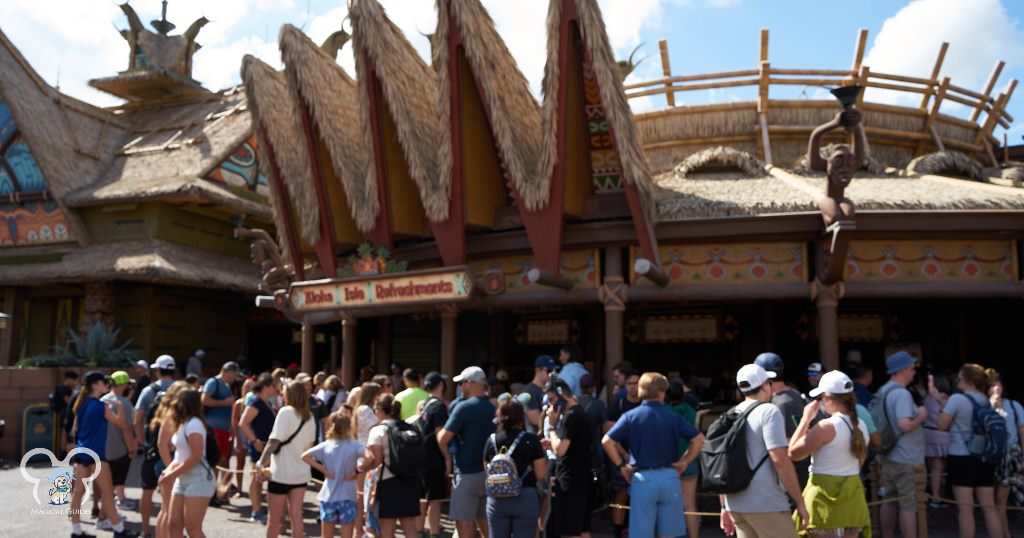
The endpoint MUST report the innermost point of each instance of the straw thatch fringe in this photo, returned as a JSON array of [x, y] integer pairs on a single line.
[[665, 159], [1013, 173], [514, 113], [410, 93], [609, 81], [947, 163], [723, 157], [332, 98], [150, 260], [870, 163], [276, 122]]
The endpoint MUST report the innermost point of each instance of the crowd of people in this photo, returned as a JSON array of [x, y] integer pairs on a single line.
[[519, 459]]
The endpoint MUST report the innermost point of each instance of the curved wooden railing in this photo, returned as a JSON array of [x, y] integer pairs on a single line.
[[933, 91]]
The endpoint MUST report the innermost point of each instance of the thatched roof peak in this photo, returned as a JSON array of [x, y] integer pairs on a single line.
[[597, 49], [331, 97], [410, 91], [278, 127], [514, 113]]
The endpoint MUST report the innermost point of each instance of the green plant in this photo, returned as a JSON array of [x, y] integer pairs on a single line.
[[98, 348]]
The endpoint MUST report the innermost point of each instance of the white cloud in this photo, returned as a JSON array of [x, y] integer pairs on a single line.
[[980, 33]]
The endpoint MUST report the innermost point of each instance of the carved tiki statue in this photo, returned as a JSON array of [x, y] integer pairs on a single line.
[[840, 165]]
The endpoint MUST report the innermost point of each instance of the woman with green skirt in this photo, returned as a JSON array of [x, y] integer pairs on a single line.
[[837, 447]]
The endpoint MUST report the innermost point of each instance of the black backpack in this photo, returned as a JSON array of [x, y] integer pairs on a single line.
[[149, 435], [723, 460], [407, 449], [212, 448]]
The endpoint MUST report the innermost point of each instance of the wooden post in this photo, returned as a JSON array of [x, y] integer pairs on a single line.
[[863, 74], [449, 327], [858, 51], [666, 70], [613, 296], [762, 107], [935, 74], [308, 347], [875, 474], [764, 45], [921, 483], [348, 352], [333, 368], [929, 122], [383, 348], [996, 113], [826, 299], [989, 86]]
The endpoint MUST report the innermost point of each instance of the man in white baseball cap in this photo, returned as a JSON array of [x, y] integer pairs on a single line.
[[470, 424], [762, 509]]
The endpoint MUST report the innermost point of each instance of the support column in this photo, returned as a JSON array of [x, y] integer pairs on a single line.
[[308, 347], [8, 347], [333, 367], [384, 344], [826, 298], [449, 327], [348, 352], [613, 296]]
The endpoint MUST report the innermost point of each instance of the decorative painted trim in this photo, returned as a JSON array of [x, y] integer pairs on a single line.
[[729, 264]]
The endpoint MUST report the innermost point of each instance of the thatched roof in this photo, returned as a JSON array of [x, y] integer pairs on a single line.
[[332, 99], [607, 74], [410, 92], [514, 113], [720, 156], [151, 260], [279, 128], [71, 140], [704, 195], [947, 163], [170, 148]]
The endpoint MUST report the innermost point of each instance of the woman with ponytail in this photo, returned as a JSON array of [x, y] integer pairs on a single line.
[[837, 446], [972, 480]]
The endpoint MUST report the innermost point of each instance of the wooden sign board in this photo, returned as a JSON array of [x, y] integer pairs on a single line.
[[554, 331], [671, 329], [863, 328], [445, 285]]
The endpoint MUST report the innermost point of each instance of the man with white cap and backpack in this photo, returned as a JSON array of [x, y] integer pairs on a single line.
[[734, 463]]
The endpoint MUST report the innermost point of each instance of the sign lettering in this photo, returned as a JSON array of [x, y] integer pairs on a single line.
[[409, 288]]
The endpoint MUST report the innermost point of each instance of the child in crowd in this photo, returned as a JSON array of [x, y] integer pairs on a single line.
[[337, 458]]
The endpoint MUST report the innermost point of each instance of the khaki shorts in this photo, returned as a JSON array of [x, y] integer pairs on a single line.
[[898, 480], [764, 525]]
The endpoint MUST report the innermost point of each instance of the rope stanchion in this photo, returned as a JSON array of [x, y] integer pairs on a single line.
[[703, 514]]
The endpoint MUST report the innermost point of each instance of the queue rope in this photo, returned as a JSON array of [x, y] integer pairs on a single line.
[[713, 514]]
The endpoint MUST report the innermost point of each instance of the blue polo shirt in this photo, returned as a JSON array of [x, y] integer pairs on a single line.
[[651, 433], [472, 422]]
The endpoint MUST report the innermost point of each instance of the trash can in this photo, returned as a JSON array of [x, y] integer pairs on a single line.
[[36, 429]]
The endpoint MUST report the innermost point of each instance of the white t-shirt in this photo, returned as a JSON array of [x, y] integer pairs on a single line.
[[182, 452], [366, 419], [766, 430], [379, 437], [287, 466]]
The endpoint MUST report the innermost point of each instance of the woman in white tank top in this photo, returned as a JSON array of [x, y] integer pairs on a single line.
[[837, 446]]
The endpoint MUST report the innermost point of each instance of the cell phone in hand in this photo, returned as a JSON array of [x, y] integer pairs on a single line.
[[704, 406]]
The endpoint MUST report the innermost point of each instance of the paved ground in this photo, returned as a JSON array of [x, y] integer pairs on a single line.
[[23, 517]]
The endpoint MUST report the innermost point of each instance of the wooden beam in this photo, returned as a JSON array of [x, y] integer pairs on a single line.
[[858, 51], [935, 74], [644, 268], [989, 86], [863, 74], [308, 347], [764, 45], [766, 142], [614, 317], [929, 122], [994, 114], [545, 278], [666, 69]]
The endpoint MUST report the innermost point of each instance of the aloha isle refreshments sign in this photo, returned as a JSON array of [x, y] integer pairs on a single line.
[[414, 287]]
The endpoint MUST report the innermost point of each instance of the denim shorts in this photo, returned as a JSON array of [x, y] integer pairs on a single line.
[[198, 482], [343, 512]]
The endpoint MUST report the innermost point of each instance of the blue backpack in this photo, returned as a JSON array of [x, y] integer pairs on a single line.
[[989, 436]]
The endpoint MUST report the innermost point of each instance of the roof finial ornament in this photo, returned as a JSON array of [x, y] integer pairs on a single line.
[[163, 25]]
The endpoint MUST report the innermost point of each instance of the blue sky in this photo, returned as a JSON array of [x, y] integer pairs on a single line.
[[77, 38]]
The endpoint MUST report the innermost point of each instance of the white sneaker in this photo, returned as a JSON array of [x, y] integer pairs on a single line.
[[104, 525], [128, 504]]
